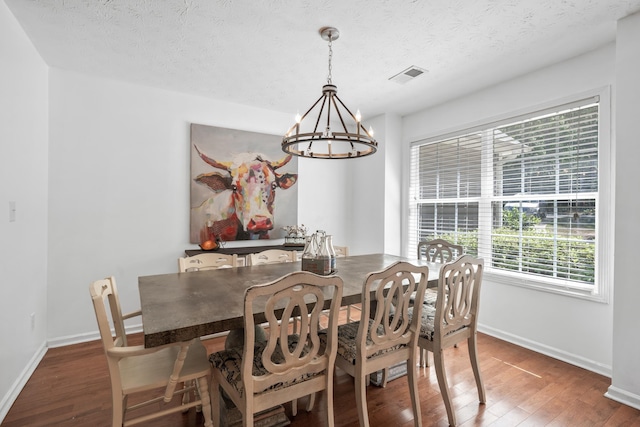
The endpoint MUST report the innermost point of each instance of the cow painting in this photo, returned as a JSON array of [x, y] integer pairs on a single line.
[[244, 193]]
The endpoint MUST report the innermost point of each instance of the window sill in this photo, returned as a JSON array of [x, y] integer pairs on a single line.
[[574, 291]]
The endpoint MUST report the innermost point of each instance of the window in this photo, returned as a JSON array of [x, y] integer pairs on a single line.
[[522, 193]]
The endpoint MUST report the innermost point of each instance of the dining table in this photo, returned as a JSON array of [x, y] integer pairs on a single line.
[[182, 306]]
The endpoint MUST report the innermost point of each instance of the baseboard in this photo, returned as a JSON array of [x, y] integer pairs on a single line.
[[86, 337], [19, 384], [623, 396], [571, 358]]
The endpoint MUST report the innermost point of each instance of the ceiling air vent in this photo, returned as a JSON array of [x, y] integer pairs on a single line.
[[408, 74]]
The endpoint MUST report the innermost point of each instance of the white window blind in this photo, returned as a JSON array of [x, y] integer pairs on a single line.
[[521, 193]]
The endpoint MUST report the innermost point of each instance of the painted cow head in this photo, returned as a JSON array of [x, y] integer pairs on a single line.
[[247, 190]]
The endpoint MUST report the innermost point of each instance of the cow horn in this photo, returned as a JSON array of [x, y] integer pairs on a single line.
[[281, 162], [214, 163]]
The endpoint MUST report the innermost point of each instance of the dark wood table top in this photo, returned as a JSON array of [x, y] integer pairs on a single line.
[[183, 306]]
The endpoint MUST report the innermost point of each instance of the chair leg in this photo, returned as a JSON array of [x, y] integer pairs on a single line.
[[413, 390], [444, 387], [311, 402], [361, 398], [424, 357], [473, 356], [203, 391], [215, 396], [385, 377], [186, 397], [329, 399], [119, 403], [247, 419], [294, 407]]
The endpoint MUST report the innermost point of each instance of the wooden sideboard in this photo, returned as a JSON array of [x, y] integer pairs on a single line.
[[246, 250]]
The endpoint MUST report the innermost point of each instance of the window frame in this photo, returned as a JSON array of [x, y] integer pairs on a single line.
[[600, 291]]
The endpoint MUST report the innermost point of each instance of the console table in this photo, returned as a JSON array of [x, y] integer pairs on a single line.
[[246, 250]]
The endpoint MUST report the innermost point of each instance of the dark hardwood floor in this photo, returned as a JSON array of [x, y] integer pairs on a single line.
[[71, 387]]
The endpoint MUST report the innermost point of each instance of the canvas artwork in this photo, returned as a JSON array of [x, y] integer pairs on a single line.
[[243, 186]]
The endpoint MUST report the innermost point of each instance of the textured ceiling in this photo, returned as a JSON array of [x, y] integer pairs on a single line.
[[269, 53]]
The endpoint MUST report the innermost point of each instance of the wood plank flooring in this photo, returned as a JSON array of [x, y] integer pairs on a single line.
[[71, 387]]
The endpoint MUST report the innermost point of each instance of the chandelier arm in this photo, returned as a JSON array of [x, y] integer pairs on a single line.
[[330, 96], [315, 128], [324, 102], [344, 126], [312, 107], [354, 117]]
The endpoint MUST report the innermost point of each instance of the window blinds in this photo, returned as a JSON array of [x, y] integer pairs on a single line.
[[520, 193]]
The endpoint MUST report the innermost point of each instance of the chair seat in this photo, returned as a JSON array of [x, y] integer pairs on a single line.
[[229, 362], [427, 329], [431, 296], [347, 334], [149, 371]]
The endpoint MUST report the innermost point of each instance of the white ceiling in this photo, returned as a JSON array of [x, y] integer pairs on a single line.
[[268, 53]]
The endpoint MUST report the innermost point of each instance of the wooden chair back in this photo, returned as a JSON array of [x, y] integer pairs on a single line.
[[387, 299], [457, 302], [207, 261], [272, 256], [439, 250], [105, 299]]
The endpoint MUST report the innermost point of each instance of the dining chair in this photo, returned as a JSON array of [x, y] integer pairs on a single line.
[[260, 375], [437, 250], [272, 256], [386, 334], [207, 261], [341, 252], [136, 369], [452, 318]]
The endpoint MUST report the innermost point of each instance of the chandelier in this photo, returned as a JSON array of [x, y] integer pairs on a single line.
[[335, 133]]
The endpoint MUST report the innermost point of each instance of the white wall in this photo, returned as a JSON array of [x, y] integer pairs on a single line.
[[119, 189], [625, 385], [393, 185], [324, 204], [574, 330], [23, 180]]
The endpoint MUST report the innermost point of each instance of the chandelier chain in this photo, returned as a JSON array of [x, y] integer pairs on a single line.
[[330, 57]]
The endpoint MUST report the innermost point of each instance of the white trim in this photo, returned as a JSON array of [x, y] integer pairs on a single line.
[[540, 284], [623, 396], [556, 353], [95, 335], [21, 381], [86, 337]]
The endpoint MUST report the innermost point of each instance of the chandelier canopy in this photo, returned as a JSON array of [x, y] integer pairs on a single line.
[[335, 133]]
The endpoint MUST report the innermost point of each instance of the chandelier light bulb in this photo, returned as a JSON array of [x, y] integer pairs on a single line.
[[370, 131], [358, 116]]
